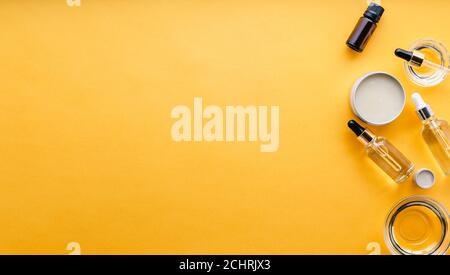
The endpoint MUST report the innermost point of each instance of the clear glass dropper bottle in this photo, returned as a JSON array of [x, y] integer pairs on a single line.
[[417, 59], [436, 133], [383, 153]]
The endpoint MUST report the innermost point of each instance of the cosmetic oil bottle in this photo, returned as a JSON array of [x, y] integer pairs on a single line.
[[436, 133], [383, 153], [365, 27]]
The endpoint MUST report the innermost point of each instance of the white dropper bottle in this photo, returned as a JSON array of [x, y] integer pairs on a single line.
[[435, 131], [422, 108]]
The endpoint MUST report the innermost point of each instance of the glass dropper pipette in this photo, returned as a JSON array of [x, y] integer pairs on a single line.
[[417, 59]]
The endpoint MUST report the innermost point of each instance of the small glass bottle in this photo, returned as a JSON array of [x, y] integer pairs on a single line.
[[365, 27], [436, 133], [383, 153]]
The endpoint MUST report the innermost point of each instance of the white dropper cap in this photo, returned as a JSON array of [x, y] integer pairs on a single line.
[[418, 101], [423, 109]]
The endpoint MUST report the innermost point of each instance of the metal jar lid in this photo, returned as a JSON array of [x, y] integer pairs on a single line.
[[424, 178]]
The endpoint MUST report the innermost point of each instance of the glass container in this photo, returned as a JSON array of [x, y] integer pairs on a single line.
[[435, 52], [417, 225]]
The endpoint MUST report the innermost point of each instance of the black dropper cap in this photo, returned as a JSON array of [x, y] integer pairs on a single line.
[[355, 127], [404, 54], [374, 12]]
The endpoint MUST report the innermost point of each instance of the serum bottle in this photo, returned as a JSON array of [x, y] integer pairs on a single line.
[[383, 153], [436, 133]]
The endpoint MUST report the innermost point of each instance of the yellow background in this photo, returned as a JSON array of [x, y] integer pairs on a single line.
[[85, 148]]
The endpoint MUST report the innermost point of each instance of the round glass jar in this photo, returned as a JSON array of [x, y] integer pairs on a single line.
[[434, 51], [417, 225]]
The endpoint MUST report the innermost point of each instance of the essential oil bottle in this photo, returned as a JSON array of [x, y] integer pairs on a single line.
[[383, 153], [436, 133], [365, 27]]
